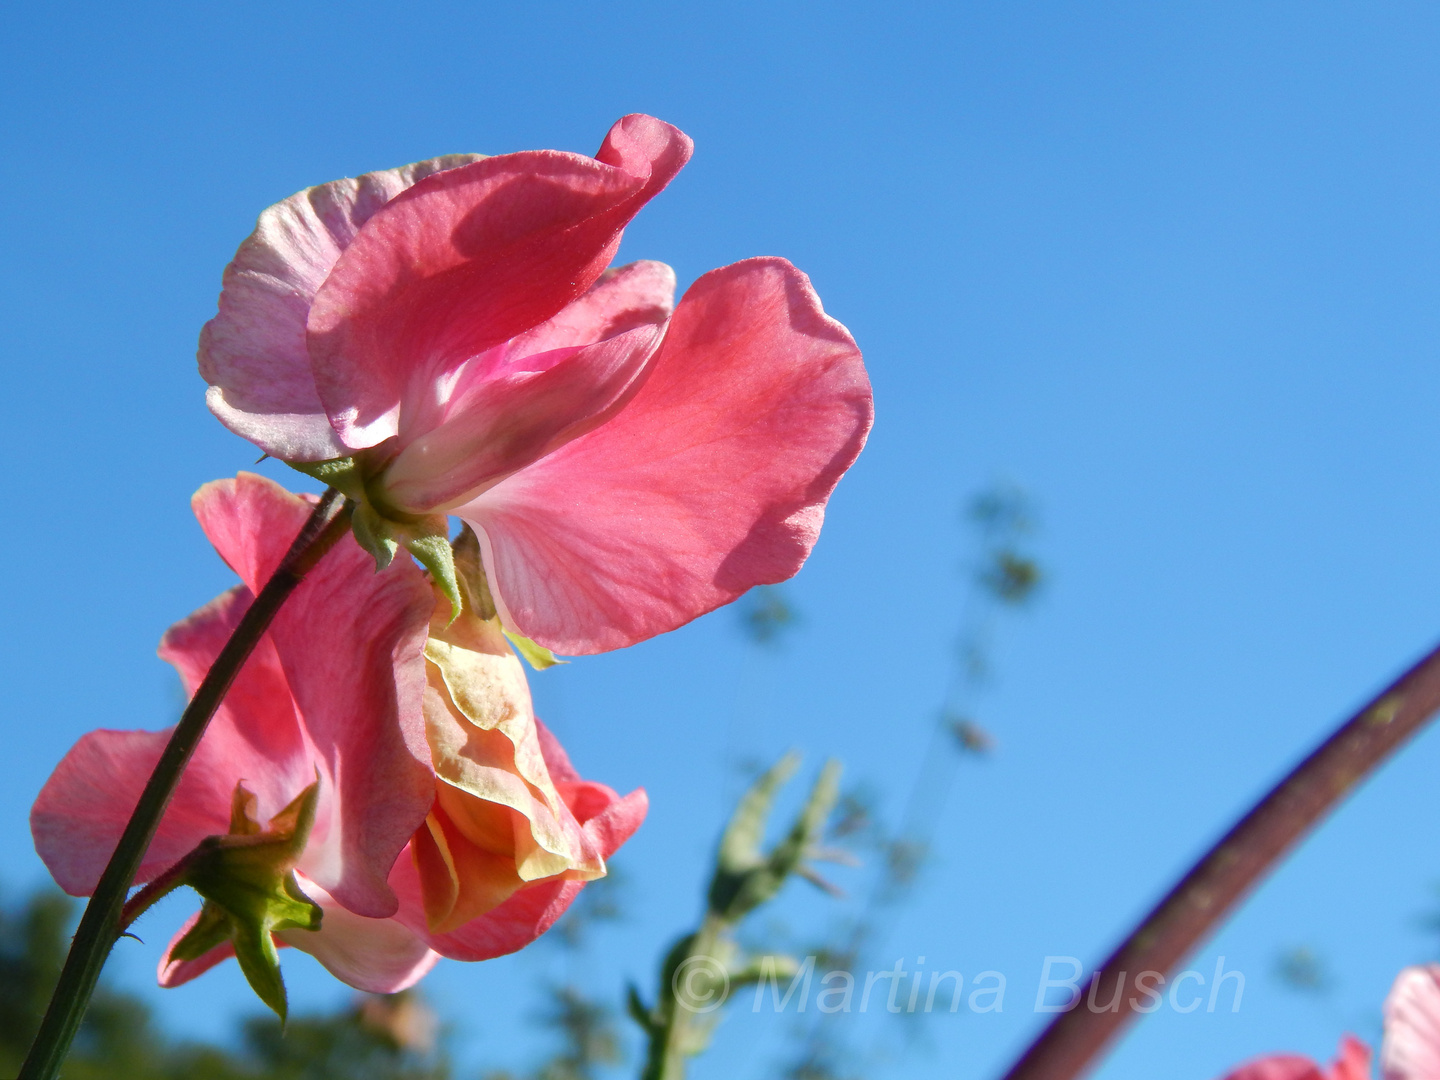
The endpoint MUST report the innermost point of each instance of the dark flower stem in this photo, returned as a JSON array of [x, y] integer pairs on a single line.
[[100, 926], [1229, 870]]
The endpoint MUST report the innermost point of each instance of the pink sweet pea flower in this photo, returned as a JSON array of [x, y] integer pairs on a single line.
[[1411, 1050], [408, 735], [450, 331]]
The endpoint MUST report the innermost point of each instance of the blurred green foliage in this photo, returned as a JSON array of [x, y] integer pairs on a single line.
[[378, 1039]]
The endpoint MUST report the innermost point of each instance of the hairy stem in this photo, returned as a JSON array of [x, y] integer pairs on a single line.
[[1231, 868], [100, 926]]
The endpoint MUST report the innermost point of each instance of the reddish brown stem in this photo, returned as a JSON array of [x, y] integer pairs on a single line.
[[1197, 905]]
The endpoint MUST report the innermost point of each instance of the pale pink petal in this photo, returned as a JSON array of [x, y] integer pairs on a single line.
[[255, 737], [516, 417], [468, 259], [1411, 1050], [351, 644], [171, 973], [379, 956], [1278, 1067], [711, 480], [253, 352]]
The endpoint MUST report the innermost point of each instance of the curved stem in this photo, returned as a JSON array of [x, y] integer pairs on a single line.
[[100, 925], [1231, 868]]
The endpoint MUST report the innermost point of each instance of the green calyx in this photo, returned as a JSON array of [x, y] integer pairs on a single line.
[[382, 530], [247, 878]]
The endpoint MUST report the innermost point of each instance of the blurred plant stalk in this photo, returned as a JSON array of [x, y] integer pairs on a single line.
[[1073, 1041], [99, 927], [703, 967]]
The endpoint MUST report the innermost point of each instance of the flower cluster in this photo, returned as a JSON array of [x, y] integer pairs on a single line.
[[450, 338]]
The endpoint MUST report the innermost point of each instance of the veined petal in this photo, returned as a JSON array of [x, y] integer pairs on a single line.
[[637, 294], [253, 352], [255, 737], [506, 420], [607, 820], [532, 910], [1411, 1050], [379, 956], [712, 479], [495, 788], [350, 642], [468, 259]]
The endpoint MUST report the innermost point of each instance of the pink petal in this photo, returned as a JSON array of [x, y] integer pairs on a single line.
[[711, 480], [1411, 1050], [255, 736], [608, 821], [636, 294], [350, 643], [506, 422], [253, 352], [511, 926], [1278, 1067], [1354, 1061], [557, 761], [379, 956], [171, 973], [468, 259]]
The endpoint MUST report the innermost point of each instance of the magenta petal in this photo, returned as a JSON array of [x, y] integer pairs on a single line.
[[1411, 1050], [253, 352], [255, 737], [711, 480], [351, 644], [513, 418], [468, 259]]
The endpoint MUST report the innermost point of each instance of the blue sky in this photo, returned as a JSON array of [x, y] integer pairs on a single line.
[[1172, 268]]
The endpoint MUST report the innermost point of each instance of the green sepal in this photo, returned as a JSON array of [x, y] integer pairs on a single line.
[[538, 656], [372, 533], [429, 541], [247, 878], [343, 474]]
